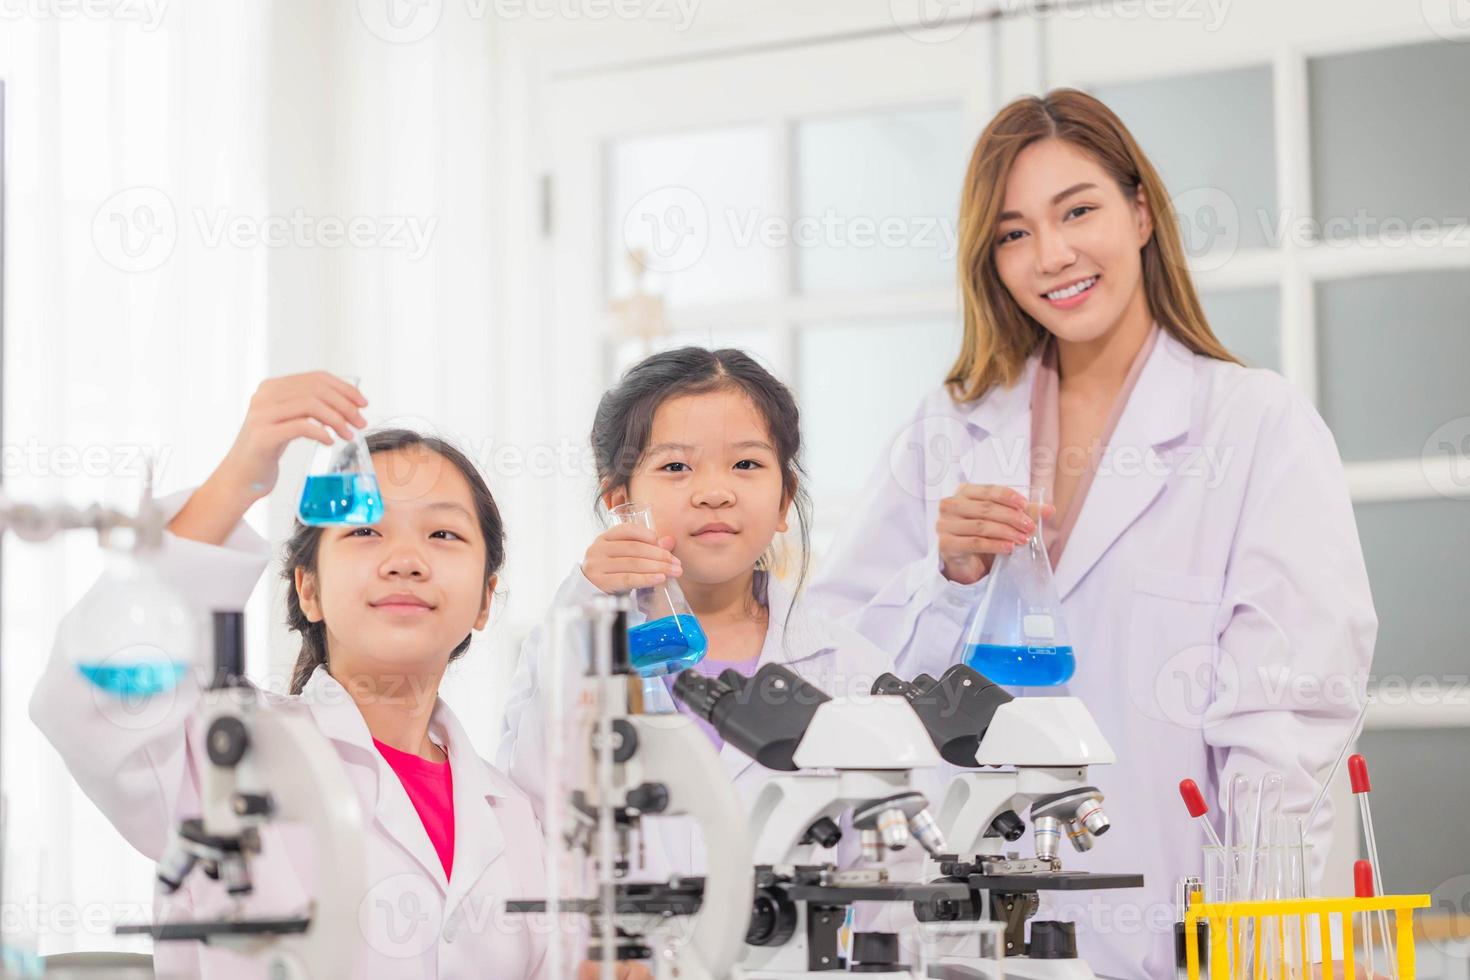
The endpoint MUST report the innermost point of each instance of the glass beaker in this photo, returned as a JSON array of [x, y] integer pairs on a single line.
[[668, 639], [1016, 635], [341, 487], [132, 635]]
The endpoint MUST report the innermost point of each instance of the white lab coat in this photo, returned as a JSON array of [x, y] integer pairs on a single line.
[[831, 656], [1213, 586], [143, 774]]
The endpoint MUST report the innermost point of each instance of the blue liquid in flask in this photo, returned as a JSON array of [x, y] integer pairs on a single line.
[[136, 679], [340, 498], [1022, 666], [667, 645]]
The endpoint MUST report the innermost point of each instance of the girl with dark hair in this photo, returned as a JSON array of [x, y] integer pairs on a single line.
[[382, 610], [711, 442]]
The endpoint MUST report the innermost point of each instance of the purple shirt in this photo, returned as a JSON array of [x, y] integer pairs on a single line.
[[709, 667]]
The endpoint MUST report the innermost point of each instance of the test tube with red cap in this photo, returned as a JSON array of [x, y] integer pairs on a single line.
[[1363, 888], [1362, 785], [1194, 802]]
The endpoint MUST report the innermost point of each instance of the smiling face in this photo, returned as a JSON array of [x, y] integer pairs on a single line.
[[1068, 241], [399, 595], [713, 480]]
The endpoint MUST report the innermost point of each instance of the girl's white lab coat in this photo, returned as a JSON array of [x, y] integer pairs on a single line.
[[827, 654], [1213, 586], [140, 768]]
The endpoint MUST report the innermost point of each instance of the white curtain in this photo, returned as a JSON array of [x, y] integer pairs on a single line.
[[124, 334], [201, 194]]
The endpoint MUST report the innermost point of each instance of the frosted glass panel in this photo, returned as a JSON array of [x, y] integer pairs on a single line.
[[1212, 139], [877, 198], [1420, 777], [1247, 323], [1389, 138], [1392, 356], [1418, 556], [683, 200], [857, 383]]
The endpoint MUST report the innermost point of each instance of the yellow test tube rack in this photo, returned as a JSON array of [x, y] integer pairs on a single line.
[[1227, 919]]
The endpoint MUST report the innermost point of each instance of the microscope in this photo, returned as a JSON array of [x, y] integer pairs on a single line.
[[837, 760], [626, 765], [1021, 755], [266, 763]]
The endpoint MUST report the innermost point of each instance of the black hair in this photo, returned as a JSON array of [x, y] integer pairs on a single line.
[[624, 420], [305, 541]]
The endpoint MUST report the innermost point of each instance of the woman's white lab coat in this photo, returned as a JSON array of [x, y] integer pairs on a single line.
[[1213, 587], [834, 658], [140, 768]]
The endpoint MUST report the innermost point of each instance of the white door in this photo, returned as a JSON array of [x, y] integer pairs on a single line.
[[796, 202]]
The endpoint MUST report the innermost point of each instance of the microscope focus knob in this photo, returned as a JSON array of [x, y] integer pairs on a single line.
[[1052, 940], [875, 952], [1008, 825], [227, 740], [823, 832], [772, 918], [649, 798]]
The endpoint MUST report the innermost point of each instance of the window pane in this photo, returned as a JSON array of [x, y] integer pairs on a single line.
[[1404, 335], [1419, 779], [1418, 555], [1212, 139], [857, 383], [1246, 321], [1387, 139], [685, 201], [877, 199]]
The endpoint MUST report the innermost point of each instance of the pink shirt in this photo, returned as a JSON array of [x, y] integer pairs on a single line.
[[430, 787]]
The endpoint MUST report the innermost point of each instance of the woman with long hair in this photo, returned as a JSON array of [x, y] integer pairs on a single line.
[[1196, 513]]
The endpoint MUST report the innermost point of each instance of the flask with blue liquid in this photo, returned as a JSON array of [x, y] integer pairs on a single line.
[[1016, 635], [664, 637], [341, 487], [132, 635]]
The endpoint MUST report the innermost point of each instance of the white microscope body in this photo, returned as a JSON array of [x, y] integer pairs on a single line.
[[836, 758], [264, 764], [1020, 755]]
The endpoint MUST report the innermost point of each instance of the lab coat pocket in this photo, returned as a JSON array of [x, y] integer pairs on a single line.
[[1174, 670]]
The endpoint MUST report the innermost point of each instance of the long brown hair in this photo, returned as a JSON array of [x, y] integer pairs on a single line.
[[999, 336], [305, 542]]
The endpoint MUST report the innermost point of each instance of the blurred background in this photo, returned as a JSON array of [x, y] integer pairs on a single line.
[[485, 209]]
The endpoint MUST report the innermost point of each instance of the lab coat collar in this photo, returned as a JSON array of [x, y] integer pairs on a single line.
[[1134, 470], [793, 632], [477, 836], [1157, 413], [1005, 410]]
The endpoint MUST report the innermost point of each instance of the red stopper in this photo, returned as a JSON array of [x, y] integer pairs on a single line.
[[1194, 800], [1358, 774], [1362, 879]]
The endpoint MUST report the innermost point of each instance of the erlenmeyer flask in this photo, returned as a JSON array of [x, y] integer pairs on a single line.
[[1016, 634], [668, 638], [132, 635], [341, 487]]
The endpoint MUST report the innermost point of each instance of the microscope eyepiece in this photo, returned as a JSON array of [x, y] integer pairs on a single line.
[[765, 716], [956, 709], [700, 693]]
